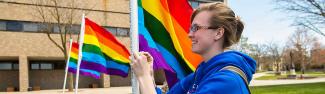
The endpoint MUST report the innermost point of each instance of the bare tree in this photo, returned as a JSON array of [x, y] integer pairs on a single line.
[[59, 16], [258, 52], [302, 42], [318, 55], [242, 45], [307, 13], [274, 50]]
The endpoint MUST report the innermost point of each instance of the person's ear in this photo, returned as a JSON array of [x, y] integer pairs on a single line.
[[219, 33]]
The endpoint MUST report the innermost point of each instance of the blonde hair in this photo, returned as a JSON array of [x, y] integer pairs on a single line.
[[223, 16]]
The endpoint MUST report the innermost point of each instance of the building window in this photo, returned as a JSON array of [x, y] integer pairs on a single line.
[[194, 4], [122, 32], [3, 25], [35, 66], [15, 66], [42, 66], [28, 26], [14, 26], [59, 65], [56, 29], [47, 65], [75, 29], [5, 66], [111, 29], [9, 65], [7, 25], [45, 27], [118, 31]]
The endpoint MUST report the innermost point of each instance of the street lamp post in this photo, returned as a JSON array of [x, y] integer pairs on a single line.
[[292, 69]]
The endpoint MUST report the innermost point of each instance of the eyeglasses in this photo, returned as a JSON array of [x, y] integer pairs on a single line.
[[196, 27]]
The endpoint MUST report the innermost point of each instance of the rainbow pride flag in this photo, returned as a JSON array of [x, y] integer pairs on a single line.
[[102, 52], [163, 32], [73, 60]]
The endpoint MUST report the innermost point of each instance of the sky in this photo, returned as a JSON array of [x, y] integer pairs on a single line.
[[263, 23]]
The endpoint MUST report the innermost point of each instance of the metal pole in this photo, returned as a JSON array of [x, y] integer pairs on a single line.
[[134, 40], [66, 67], [82, 31]]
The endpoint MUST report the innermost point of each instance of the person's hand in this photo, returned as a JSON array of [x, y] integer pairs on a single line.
[[141, 64], [150, 61]]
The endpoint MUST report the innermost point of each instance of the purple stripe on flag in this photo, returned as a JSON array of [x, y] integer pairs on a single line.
[[159, 62], [74, 71], [171, 78], [103, 69]]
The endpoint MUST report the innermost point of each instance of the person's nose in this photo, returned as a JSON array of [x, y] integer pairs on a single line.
[[190, 35]]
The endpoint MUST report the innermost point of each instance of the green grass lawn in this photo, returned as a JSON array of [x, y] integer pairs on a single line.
[[311, 72], [310, 88]]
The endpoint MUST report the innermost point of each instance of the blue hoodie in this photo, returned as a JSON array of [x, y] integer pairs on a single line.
[[209, 80]]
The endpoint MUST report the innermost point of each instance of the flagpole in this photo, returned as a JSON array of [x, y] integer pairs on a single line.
[[81, 39], [67, 66], [134, 40]]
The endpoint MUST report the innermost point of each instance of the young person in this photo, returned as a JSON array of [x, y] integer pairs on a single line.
[[214, 28]]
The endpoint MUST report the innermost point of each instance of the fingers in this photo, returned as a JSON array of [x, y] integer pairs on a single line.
[[142, 57], [137, 58], [132, 61], [147, 56], [136, 55]]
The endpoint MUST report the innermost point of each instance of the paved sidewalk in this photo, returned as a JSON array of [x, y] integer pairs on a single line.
[[256, 75]]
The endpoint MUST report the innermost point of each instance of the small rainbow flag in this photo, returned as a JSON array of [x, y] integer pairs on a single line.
[[73, 59], [163, 32], [102, 52]]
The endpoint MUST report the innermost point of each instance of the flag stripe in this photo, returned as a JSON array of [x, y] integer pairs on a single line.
[[74, 55], [163, 31], [106, 42], [102, 52], [95, 58], [181, 7], [73, 60], [101, 31], [112, 71], [110, 65], [155, 8], [72, 64], [74, 50], [176, 8], [106, 50], [165, 55], [162, 37], [86, 72]]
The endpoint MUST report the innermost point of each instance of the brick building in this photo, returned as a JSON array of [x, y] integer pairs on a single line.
[[29, 59]]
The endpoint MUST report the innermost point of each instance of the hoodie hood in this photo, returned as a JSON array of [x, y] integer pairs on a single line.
[[233, 58]]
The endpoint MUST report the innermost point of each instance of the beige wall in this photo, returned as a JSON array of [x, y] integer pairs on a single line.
[[29, 44], [34, 45], [23, 73], [114, 12], [120, 81], [23, 47]]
